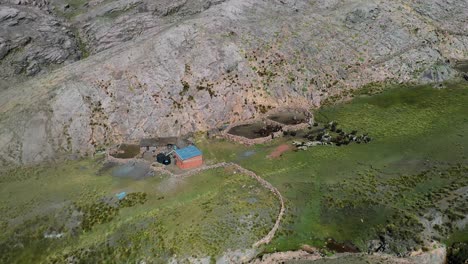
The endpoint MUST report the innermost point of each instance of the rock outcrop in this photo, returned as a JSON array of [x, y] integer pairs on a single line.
[[105, 24], [32, 41], [166, 68]]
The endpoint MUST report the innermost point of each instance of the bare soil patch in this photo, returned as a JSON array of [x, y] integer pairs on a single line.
[[279, 151], [126, 151], [289, 118], [254, 130]]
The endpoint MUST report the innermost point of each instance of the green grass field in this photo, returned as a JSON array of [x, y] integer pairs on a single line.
[[417, 160]]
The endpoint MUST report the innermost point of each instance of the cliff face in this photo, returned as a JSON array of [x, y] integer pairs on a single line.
[[172, 67]]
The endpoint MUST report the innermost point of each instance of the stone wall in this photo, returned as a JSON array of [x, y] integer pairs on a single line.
[[262, 140], [109, 158], [265, 240]]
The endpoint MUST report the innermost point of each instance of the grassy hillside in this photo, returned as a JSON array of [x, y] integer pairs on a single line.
[[200, 216], [355, 192], [412, 172]]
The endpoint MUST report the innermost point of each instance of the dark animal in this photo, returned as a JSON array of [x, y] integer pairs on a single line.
[[268, 130]]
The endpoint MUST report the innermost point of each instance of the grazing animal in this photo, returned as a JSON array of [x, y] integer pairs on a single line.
[[302, 148], [298, 143]]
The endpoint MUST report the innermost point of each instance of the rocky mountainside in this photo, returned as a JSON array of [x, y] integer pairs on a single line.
[[32, 41], [79, 75]]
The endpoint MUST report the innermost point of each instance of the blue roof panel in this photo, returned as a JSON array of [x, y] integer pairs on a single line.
[[188, 152]]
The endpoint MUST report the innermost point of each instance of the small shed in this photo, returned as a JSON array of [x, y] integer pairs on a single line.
[[149, 144], [152, 144], [168, 141], [189, 157]]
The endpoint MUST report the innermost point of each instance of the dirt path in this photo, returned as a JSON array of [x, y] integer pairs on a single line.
[[279, 151], [265, 240]]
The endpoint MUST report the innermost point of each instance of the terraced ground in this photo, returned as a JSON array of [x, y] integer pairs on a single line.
[[407, 186]]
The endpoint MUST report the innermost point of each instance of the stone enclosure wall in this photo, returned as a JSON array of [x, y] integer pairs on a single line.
[[160, 169], [265, 119]]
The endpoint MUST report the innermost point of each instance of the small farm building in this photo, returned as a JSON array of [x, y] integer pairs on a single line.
[[189, 157], [148, 144], [152, 144]]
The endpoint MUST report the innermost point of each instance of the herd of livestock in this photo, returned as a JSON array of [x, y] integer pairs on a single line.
[[330, 134]]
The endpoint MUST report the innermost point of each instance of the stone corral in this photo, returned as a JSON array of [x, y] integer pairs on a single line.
[[265, 120], [282, 208]]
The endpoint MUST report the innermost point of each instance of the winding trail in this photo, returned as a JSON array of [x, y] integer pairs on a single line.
[[266, 239]]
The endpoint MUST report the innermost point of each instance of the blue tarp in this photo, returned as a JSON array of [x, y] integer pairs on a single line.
[[121, 195], [188, 152]]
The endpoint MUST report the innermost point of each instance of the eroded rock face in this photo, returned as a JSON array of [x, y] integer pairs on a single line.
[[32, 41], [104, 24], [165, 68]]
